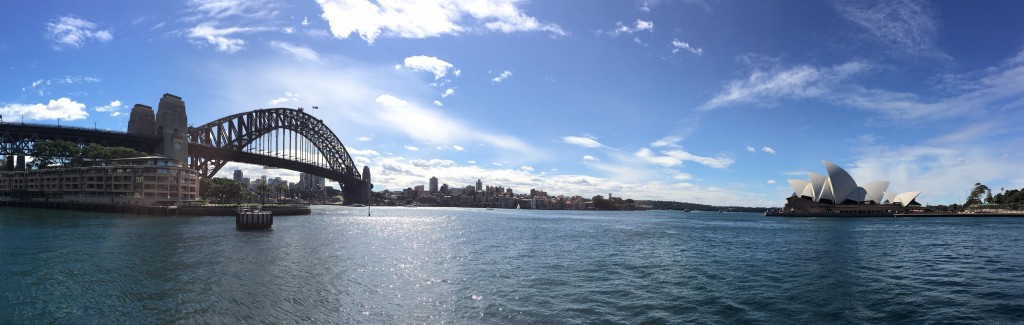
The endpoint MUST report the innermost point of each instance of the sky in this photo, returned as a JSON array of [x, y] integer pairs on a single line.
[[705, 101]]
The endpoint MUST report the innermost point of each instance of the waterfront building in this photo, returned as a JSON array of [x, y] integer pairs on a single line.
[[238, 175], [130, 181], [479, 185], [838, 194], [433, 185]]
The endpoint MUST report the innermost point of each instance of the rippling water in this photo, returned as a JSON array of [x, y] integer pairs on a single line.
[[426, 265]]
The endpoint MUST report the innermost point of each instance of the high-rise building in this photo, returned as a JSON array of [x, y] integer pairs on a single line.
[[238, 175], [479, 185], [309, 181], [433, 185]]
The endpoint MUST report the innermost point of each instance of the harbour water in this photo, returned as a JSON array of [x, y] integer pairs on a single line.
[[470, 266]]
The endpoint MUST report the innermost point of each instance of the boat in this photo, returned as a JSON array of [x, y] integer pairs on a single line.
[[686, 210], [517, 206], [357, 205]]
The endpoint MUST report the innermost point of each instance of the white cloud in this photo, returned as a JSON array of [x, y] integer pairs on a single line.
[[422, 19], [942, 173], [367, 152], [504, 75], [412, 148], [669, 141], [392, 116], [526, 168], [590, 158], [678, 45], [288, 30], [908, 27], [587, 142], [664, 161], [219, 36], [674, 158], [227, 8], [388, 100], [798, 82], [288, 97], [299, 52], [63, 108], [751, 149], [991, 89], [364, 139], [768, 150], [42, 85], [638, 26], [438, 103], [69, 32], [428, 63], [448, 92], [113, 108], [305, 21], [458, 148]]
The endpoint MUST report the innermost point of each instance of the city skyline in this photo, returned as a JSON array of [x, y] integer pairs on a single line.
[[690, 101]]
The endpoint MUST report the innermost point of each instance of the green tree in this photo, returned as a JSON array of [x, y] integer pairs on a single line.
[[54, 152], [281, 188], [95, 151], [976, 194], [262, 188], [222, 190]]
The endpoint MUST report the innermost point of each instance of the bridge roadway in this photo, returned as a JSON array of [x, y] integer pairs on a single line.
[[18, 139]]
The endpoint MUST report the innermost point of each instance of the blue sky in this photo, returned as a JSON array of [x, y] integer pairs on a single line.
[[716, 102]]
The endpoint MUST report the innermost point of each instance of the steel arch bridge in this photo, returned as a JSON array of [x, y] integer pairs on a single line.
[[278, 137]]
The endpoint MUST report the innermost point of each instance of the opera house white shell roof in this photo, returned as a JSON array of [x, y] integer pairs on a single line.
[[839, 188]]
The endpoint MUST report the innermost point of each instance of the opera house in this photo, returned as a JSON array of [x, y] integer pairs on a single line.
[[837, 194]]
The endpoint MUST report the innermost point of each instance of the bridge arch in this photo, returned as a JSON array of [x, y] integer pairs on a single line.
[[277, 137]]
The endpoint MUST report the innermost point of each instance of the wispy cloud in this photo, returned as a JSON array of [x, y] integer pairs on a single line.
[[798, 82], [299, 52], [680, 45], [217, 9], [71, 32], [502, 76], [638, 26], [909, 27], [586, 142], [372, 19], [672, 158], [768, 150], [219, 37], [669, 141], [997, 88]]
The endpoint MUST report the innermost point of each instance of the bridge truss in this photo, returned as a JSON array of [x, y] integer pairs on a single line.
[[274, 137], [20, 138]]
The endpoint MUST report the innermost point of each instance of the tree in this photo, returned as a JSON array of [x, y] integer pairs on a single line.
[[222, 190], [281, 188], [976, 193], [262, 188], [54, 152], [95, 151]]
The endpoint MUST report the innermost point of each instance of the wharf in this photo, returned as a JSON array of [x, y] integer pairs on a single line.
[[160, 210]]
